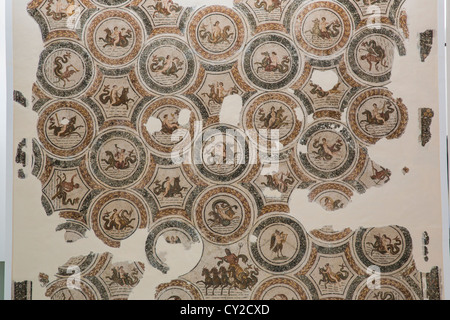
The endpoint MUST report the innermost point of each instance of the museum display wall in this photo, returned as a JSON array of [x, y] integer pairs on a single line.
[[256, 149]]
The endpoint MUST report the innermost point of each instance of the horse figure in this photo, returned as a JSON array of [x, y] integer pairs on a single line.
[[372, 119], [208, 282]]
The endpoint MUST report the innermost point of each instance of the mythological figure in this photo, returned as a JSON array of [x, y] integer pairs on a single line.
[[375, 54], [118, 220], [115, 96], [165, 8], [279, 181], [271, 63], [325, 151], [324, 30], [385, 245], [65, 128], [167, 66], [276, 244], [330, 277], [275, 119], [216, 34], [117, 38], [218, 93], [122, 278], [269, 5], [64, 187], [330, 204], [60, 63], [59, 10], [170, 123], [378, 116], [222, 213], [169, 188], [119, 160], [235, 276]]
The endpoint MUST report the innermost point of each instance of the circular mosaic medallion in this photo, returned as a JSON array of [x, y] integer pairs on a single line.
[[279, 243], [177, 118], [117, 158], [223, 214], [65, 69], [275, 118], [374, 115], [217, 33], [331, 196], [221, 154], [388, 248], [390, 289], [178, 290], [180, 228], [65, 128], [59, 290], [371, 54], [280, 288], [114, 37], [167, 65], [271, 61], [327, 150], [116, 216], [322, 28]]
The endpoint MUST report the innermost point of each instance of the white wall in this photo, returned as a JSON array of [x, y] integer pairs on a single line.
[[6, 140], [443, 37], [2, 132]]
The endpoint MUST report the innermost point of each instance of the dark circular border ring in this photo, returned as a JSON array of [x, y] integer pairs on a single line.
[[104, 200], [111, 3], [288, 44], [383, 31], [191, 65], [338, 47], [154, 234], [82, 146], [294, 284], [231, 14], [258, 258], [341, 170], [91, 42], [88, 69], [236, 235], [113, 183], [390, 268], [197, 156]]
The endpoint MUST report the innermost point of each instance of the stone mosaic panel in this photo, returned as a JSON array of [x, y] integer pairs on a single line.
[[129, 95]]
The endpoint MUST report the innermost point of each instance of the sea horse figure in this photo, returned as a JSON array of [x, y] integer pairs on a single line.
[[330, 277]]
